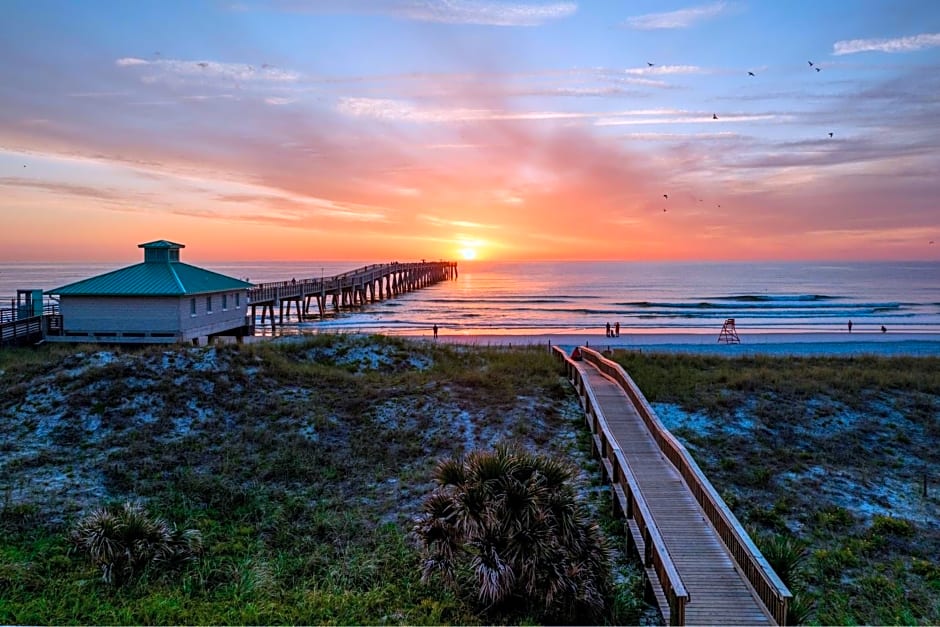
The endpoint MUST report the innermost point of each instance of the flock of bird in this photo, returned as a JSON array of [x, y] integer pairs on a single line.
[[812, 66]]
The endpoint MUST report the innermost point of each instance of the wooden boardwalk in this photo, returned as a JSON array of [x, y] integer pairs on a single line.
[[20, 331], [694, 574]]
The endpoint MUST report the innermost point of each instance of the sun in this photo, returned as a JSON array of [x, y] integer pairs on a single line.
[[468, 253]]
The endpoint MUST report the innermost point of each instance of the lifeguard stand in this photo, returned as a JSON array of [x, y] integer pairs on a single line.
[[728, 333]]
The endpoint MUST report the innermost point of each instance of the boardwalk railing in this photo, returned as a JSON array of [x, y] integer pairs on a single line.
[[630, 500], [771, 590], [10, 314], [15, 329]]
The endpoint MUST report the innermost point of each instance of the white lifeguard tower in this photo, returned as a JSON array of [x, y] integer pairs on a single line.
[[728, 333]]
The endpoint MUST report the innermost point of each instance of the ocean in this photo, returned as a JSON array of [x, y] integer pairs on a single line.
[[574, 297]]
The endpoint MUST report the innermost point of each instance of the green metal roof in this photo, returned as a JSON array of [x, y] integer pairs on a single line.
[[153, 279], [161, 243]]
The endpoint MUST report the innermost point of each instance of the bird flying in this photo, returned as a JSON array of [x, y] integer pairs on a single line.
[[649, 64], [819, 69], [810, 63], [830, 134], [714, 116], [751, 74], [665, 195]]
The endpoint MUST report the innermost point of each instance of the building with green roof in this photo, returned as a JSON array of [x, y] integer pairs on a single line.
[[159, 300]]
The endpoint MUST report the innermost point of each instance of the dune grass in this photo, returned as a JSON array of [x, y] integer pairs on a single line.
[[302, 464]]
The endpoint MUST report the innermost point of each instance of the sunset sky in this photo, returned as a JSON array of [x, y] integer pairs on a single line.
[[406, 129]]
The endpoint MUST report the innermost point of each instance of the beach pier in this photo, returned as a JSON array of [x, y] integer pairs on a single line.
[[349, 290]]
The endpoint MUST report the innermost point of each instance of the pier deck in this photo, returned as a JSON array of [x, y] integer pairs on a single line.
[[347, 290]]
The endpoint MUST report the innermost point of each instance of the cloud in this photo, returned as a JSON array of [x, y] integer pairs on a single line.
[[70, 189], [187, 69], [126, 61], [487, 13], [388, 109], [683, 18], [478, 12], [302, 207], [728, 135], [666, 69], [900, 44], [464, 224], [639, 118]]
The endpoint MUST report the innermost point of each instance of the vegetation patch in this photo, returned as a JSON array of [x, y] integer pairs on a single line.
[[301, 464]]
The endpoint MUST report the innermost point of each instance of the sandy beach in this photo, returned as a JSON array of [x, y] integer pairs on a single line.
[[804, 344]]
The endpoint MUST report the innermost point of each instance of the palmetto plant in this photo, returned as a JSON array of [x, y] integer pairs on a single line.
[[787, 556], [507, 523], [123, 541]]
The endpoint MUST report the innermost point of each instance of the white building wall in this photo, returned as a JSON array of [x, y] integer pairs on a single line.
[[154, 314], [98, 314], [221, 318]]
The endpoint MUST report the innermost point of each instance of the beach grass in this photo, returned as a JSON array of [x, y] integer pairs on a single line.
[[830, 454], [301, 463]]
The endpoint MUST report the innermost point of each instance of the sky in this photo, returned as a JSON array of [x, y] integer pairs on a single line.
[[267, 130]]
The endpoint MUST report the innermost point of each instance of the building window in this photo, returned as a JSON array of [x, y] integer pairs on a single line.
[[208, 304], [238, 301], [224, 302], [192, 306]]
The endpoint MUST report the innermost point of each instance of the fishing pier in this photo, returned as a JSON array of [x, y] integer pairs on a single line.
[[344, 291]]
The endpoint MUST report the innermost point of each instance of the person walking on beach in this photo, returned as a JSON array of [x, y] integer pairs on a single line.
[[435, 331], [617, 329], [608, 329], [850, 326]]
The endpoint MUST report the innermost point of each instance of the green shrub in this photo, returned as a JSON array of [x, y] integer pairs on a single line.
[[833, 517], [507, 524], [891, 526], [123, 541], [786, 555]]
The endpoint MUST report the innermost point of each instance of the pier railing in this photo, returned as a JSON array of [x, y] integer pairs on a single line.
[[772, 591], [365, 275], [630, 500]]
